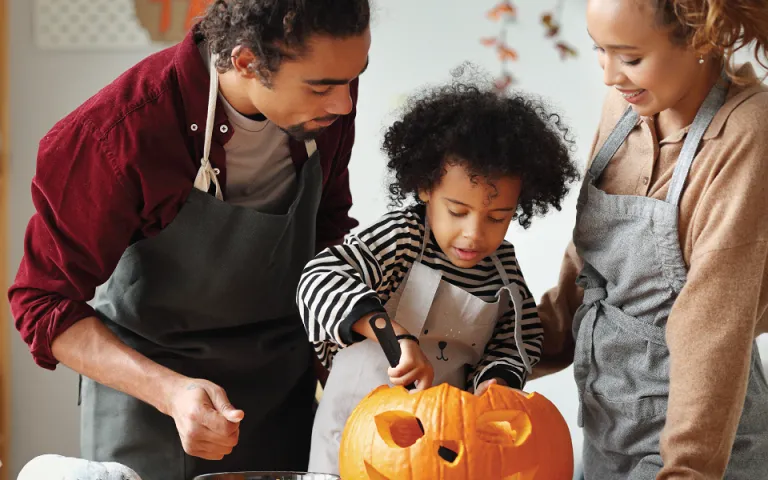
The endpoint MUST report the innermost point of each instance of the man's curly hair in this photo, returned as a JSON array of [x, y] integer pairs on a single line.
[[275, 30], [489, 134]]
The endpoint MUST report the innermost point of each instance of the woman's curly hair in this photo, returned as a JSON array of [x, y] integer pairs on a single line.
[[725, 26], [277, 29], [489, 134]]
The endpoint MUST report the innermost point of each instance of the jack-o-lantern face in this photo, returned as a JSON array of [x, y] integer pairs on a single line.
[[446, 433]]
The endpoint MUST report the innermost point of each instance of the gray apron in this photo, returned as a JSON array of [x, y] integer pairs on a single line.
[[453, 327], [212, 296], [633, 272]]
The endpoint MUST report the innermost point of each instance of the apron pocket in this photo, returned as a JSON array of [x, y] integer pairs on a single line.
[[626, 432], [630, 369]]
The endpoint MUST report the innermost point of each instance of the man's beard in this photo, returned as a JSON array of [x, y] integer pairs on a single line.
[[301, 133]]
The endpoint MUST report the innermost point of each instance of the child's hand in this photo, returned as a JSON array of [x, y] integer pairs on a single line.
[[486, 384], [414, 367]]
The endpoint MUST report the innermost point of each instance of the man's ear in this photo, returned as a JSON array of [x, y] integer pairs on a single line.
[[245, 62]]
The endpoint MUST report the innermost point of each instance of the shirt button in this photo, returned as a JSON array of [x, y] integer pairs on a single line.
[[193, 127], [224, 129]]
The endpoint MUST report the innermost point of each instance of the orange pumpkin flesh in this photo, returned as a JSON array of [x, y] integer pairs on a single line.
[[446, 433]]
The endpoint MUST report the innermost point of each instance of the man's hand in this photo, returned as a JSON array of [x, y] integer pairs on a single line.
[[208, 425], [414, 367], [486, 384]]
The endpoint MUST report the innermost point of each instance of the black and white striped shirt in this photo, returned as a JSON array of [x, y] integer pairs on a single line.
[[345, 282]]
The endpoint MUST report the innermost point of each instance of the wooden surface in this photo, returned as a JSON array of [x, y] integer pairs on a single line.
[[5, 355]]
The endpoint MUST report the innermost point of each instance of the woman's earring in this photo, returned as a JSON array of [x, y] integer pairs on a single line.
[[701, 60]]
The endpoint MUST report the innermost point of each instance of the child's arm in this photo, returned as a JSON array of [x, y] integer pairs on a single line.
[[501, 359], [348, 283]]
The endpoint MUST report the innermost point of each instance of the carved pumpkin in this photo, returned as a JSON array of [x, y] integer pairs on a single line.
[[449, 434]]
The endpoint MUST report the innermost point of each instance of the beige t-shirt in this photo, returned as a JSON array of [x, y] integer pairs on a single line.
[[723, 232], [260, 171]]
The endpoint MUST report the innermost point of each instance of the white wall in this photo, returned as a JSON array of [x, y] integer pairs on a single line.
[[414, 43], [45, 86]]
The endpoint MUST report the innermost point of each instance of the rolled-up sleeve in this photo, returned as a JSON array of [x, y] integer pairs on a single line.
[[85, 216]]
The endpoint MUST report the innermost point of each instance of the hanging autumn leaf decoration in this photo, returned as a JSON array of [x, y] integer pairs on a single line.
[[552, 29], [505, 13], [169, 20]]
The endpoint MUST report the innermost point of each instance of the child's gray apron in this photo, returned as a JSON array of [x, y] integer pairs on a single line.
[[633, 272], [453, 327], [213, 296]]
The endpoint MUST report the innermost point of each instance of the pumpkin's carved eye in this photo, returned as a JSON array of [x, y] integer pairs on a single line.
[[450, 451], [399, 429], [504, 427]]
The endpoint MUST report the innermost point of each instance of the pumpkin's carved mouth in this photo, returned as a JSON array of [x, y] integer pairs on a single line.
[[526, 475], [374, 474]]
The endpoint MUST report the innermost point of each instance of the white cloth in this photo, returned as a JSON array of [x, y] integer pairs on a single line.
[[57, 467]]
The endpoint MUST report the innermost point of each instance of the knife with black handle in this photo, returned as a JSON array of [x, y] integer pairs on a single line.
[[385, 334]]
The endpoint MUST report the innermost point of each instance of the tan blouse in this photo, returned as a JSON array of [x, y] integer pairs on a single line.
[[724, 239]]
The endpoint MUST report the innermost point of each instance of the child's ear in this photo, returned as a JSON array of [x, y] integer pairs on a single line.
[[424, 196]]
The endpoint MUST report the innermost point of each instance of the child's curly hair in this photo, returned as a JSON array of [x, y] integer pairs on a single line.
[[490, 135]]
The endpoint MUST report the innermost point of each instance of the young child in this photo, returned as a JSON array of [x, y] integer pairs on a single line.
[[472, 161]]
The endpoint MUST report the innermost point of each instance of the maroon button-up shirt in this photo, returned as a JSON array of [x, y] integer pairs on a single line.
[[118, 169]]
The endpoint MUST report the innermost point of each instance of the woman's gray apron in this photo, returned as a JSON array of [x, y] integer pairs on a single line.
[[212, 296], [633, 272], [453, 327]]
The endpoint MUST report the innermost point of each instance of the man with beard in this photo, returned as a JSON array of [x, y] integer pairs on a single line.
[[181, 203]]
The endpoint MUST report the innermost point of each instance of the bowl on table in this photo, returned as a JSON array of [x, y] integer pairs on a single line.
[[267, 476]]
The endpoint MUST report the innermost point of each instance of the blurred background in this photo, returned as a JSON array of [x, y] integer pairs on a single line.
[[60, 52]]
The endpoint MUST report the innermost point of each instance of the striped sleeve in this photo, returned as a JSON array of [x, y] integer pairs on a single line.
[[502, 358], [344, 282]]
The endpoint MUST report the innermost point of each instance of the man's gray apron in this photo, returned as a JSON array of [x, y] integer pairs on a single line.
[[633, 272], [212, 296], [453, 327]]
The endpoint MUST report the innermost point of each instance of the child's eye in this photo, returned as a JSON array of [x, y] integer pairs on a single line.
[[597, 49], [496, 220], [455, 214], [631, 63]]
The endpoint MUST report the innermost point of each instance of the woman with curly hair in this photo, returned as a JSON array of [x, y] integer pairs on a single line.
[[665, 285], [468, 162]]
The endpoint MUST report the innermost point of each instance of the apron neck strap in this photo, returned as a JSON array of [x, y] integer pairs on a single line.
[[311, 147], [425, 240], [715, 99], [516, 295], [616, 138], [500, 268], [207, 174]]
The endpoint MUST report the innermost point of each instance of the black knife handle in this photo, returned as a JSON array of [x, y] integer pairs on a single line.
[[385, 334]]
